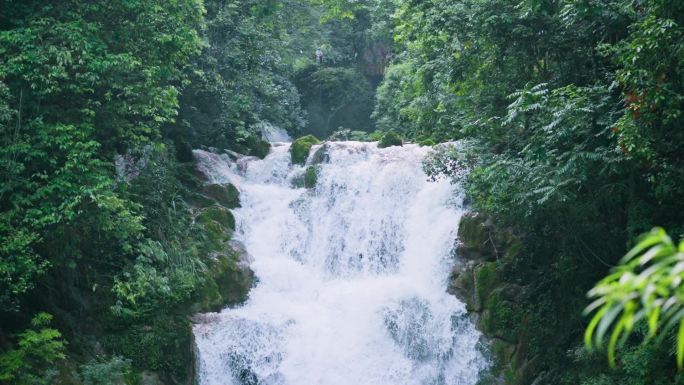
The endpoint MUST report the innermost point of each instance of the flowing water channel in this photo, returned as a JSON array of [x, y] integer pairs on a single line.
[[351, 274]]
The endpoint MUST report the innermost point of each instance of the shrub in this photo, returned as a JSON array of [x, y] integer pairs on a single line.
[[391, 138]]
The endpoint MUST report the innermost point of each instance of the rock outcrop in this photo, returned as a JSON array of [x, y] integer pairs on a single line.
[[490, 297]]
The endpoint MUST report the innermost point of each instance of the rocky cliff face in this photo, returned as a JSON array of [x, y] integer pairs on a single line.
[[480, 280]]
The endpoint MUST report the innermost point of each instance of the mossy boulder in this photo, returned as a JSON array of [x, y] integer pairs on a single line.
[[200, 201], [301, 147], [190, 177], [218, 214], [228, 281], [234, 277], [311, 177], [217, 224], [389, 139], [259, 148], [216, 235], [224, 194], [253, 145], [206, 298]]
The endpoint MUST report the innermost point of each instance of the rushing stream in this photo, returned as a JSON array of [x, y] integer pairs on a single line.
[[351, 275]]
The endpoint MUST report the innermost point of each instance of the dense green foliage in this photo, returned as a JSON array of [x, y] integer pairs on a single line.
[[573, 113], [241, 79]]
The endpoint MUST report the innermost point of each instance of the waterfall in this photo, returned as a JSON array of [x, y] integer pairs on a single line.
[[351, 274], [274, 134]]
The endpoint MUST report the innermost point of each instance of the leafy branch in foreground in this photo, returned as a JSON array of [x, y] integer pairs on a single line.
[[645, 286]]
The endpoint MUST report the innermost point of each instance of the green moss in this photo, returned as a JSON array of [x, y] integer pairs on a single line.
[[234, 281], [389, 139], [218, 214], [501, 318], [224, 194], [217, 224], [513, 249], [300, 148], [199, 200], [206, 298], [474, 237], [216, 235], [190, 178], [485, 279], [427, 142], [512, 376], [310, 177]]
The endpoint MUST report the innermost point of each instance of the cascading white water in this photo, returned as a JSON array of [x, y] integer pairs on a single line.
[[274, 134], [352, 275]]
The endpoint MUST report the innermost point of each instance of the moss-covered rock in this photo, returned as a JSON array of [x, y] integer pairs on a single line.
[[389, 139], [500, 318], [259, 148], [234, 277], [224, 194], [199, 201], [461, 281], [301, 147], [495, 302], [474, 236], [485, 280], [481, 240], [218, 214], [228, 280], [206, 298], [216, 235], [311, 177], [253, 145], [191, 179]]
